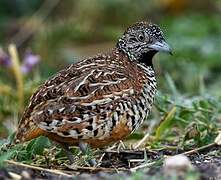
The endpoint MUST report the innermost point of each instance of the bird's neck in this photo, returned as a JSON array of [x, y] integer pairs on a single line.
[[144, 63], [147, 58]]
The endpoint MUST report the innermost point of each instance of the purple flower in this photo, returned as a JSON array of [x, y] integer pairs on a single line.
[[5, 60], [30, 60]]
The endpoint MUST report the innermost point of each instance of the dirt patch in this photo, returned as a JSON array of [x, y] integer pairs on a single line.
[[122, 164]]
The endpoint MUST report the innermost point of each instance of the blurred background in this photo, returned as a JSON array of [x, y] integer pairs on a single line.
[[50, 34]]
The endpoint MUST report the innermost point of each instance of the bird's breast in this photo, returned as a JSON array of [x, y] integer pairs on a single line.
[[141, 105]]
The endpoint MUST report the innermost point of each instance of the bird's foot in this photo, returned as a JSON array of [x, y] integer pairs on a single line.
[[68, 153], [85, 148]]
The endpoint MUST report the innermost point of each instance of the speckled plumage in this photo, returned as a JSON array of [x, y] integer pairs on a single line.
[[98, 100]]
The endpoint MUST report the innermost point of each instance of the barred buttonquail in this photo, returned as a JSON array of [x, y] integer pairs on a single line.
[[101, 99]]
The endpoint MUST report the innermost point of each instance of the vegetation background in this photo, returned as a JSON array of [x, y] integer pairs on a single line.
[[50, 34]]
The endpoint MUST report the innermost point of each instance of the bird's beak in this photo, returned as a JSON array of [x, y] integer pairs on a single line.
[[161, 46]]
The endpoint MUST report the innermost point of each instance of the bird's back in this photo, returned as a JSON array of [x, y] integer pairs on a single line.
[[98, 100]]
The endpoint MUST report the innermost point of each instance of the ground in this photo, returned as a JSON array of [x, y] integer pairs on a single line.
[[122, 163]]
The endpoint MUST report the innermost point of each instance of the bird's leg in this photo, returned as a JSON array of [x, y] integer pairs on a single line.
[[68, 153], [84, 147]]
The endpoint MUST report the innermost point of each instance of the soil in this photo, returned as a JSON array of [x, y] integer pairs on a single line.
[[119, 164]]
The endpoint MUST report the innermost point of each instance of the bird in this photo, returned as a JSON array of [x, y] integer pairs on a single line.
[[98, 100]]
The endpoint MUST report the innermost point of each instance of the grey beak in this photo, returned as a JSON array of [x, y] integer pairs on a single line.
[[161, 46]]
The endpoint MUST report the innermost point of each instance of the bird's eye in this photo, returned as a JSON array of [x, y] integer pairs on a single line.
[[141, 37]]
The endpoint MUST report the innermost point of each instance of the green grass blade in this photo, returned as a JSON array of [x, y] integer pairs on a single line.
[[165, 123]]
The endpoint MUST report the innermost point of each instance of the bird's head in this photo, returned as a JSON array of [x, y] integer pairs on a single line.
[[142, 41]]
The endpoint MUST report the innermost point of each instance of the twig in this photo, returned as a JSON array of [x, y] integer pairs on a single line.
[[121, 144], [96, 169], [100, 160], [142, 166], [60, 173], [197, 150], [136, 160], [56, 172], [112, 147], [218, 139], [147, 135], [141, 141], [15, 176], [126, 151]]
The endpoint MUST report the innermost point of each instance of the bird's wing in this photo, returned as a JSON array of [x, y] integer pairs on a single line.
[[79, 100]]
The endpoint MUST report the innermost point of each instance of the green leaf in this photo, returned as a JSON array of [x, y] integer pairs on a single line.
[[136, 135], [38, 145], [5, 156], [171, 84], [164, 125]]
